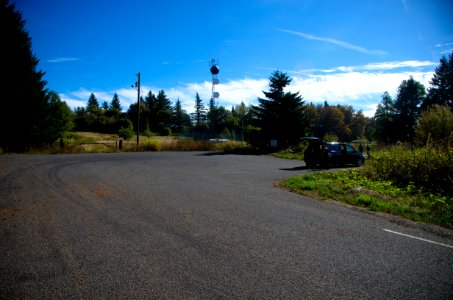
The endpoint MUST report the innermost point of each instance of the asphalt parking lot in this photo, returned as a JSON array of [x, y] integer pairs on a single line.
[[199, 225]]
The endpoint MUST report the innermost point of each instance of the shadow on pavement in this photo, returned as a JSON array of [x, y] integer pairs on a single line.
[[301, 168]]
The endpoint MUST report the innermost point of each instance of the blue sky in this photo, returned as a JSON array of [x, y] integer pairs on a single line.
[[345, 52]]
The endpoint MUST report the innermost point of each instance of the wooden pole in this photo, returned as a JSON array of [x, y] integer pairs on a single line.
[[138, 111]]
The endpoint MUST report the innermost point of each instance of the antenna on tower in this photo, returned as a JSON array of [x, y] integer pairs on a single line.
[[214, 71]]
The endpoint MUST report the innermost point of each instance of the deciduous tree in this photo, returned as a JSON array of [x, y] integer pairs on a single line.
[[435, 126]]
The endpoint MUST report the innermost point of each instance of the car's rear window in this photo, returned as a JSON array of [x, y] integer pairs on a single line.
[[333, 147]]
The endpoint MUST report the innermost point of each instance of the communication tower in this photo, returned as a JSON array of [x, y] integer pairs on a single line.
[[215, 81]]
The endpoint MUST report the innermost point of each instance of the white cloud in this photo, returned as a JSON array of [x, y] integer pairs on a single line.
[[62, 59], [342, 44], [359, 86], [377, 67], [444, 45], [362, 90]]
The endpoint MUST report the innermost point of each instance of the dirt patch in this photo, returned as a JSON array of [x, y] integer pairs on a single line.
[[102, 192]]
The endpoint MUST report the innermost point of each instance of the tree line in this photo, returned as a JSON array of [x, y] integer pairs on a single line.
[[33, 116]]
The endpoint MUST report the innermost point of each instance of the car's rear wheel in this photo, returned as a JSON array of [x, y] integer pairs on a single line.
[[359, 162]]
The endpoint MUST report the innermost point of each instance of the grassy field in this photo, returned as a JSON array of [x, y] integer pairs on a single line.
[[411, 183], [91, 142]]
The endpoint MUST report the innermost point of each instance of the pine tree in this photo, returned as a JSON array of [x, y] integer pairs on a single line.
[[23, 98], [163, 114], [200, 111], [92, 105], [178, 117], [281, 114], [159, 112], [199, 116], [441, 90], [115, 103], [105, 105]]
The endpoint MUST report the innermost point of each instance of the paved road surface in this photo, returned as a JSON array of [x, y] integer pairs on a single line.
[[199, 225]]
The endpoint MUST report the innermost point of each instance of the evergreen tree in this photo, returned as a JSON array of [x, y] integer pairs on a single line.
[[180, 119], [212, 117], [441, 90], [411, 94], [159, 112], [385, 120], [199, 117], [23, 99], [200, 114], [163, 114], [115, 103], [92, 105], [150, 103], [105, 105], [280, 115], [241, 113]]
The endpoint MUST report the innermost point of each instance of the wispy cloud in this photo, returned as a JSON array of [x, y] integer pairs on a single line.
[[444, 45], [382, 66], [340, 43], [62, 59]]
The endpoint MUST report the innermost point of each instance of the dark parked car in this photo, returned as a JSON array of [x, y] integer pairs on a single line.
[[331, 153]]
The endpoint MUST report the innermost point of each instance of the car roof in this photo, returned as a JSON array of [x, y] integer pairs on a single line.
[[315, 139], [311, 138]]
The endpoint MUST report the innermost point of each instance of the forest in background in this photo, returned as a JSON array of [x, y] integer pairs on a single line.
[[33, 116]]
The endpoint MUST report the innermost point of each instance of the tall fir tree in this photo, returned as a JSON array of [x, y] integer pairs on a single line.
[[23, 98], [180, 118], [115, 103], [199, 117], [280, 115], [441, 90], [159, 112], [92, 105]]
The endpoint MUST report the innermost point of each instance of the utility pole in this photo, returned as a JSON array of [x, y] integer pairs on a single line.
[[138, 111]]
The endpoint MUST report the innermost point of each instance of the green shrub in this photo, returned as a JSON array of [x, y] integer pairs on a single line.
[[165, 131], [126, 133], [148, 133], [428, 169], [235, 147]]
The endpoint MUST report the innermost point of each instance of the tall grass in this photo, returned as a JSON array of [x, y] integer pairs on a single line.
[[186, 144], [89, 142], [428, 169]]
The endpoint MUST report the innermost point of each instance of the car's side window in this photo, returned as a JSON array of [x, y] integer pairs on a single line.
[[349, 148]]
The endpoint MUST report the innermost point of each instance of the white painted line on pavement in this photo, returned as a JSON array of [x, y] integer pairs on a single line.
[[417, 238]]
